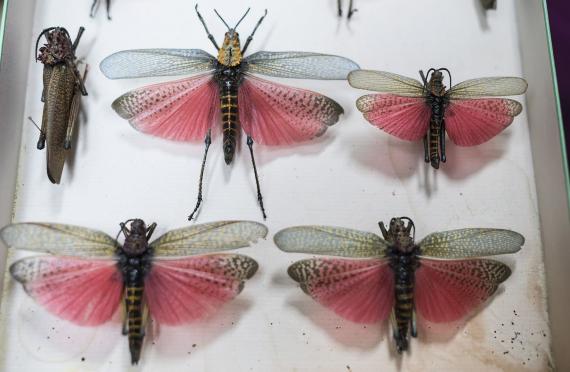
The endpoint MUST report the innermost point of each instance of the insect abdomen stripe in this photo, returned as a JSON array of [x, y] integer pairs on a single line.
[[230, 120], [135, 329]]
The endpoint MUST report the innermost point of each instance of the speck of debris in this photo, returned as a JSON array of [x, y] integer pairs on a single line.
[[232, 323], [505, 352], [193, 345], [495, 331], [303, 333], [348, 367], [53, 328], [271, 323], [502, 340], [48, 337], [512, 323], [83, 359], [189, 352], [460, 194], [502, 324], [515, 312], [393, 194]]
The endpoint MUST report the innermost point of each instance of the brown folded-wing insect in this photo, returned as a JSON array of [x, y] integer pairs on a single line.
[[178, 278], [62, 91], [367, 279], [95, 6]]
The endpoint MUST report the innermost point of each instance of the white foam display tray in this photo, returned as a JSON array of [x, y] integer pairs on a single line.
[[353, 176]]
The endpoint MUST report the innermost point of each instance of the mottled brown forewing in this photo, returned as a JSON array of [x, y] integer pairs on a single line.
[[59, 87]]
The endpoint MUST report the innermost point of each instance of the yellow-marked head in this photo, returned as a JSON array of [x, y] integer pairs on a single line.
[[230, 51]]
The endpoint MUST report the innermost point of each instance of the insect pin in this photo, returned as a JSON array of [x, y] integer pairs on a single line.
[[63, 87], [412, 110], [228, 93], [366, 279], [175, 279], [95, 6]]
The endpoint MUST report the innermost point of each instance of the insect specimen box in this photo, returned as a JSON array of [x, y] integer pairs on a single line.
[[352, 176]]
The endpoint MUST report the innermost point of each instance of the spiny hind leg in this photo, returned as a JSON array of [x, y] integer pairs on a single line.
[[259, 196], [207, 142], [414, 331], [442, 141], [426, 149]]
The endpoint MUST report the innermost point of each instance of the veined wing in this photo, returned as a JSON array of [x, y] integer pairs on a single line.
[[182, 290], [276, 114], [446, 291], [181, 110], [332, 241], [404, 117], [489, 86], [361, 291], [299, 65], [58, 239], [470, 122], [137, 63], [85, 292], [386, 82], [474, 242], [209, 237]]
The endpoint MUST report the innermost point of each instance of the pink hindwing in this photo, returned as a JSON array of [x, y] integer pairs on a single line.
[[185, 289], [404, 117], [470, 122], [275, 114], [85, 292], [448, 290], [181, 110], [360, 290]]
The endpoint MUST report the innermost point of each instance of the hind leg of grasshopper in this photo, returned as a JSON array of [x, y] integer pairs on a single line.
[[73, 114]]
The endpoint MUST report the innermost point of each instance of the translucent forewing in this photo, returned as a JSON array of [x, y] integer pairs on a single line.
[[299, 65], [276, 114], [58, 239], [448, 290], [489, 86], [474, 242], [156, 62], [333, 241], [386, 82], [208, 238], [186, 289]]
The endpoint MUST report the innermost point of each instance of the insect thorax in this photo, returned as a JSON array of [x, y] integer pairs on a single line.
[[435, 85], [230, 52], [58, 48]]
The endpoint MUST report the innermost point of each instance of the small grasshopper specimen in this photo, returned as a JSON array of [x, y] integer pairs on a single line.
[[62, 91]]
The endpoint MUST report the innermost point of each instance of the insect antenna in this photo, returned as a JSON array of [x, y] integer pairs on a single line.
[[40, 36], [410, 226], [241, 19], [218, 14], [250, 37]]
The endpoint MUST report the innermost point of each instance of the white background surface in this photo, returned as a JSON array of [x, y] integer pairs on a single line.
[[353, 176]]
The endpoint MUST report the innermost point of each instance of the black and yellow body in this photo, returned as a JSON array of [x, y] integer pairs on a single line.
[[135, 263], [403, 260], [228, 77], [434, 142], [62, 91]]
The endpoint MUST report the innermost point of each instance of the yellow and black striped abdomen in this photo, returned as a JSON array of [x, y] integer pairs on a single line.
[[135, 324], [404, 305], [230, 121], [434, 142]]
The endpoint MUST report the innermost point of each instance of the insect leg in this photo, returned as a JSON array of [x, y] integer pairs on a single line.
[[150, 230], [78, 37], [93, 8], [210, 36], [426, 149], [207, 142], [414, 327], [108, 9], [339, 5], [125, 330], [351, 10], [259, 197], [42, 140], [250, 37], [442, 141]]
